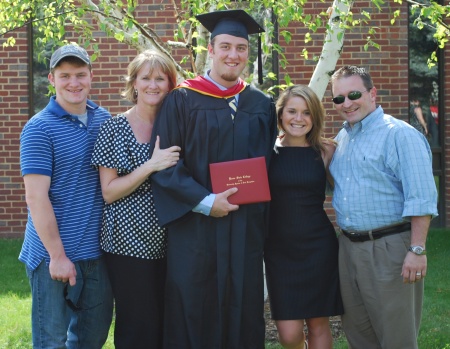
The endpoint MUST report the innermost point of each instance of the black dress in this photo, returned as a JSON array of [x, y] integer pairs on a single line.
[[414, 121], [301, 252]]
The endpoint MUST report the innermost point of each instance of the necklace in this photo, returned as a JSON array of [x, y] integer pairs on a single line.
[[139, 117]]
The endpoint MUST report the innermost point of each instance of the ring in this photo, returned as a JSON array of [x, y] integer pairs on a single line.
[[418, 274]]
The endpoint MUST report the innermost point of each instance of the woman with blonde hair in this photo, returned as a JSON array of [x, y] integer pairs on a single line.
[[134, 243], [301, 253]]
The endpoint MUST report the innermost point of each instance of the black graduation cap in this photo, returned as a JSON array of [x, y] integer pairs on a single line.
[[236, 23]]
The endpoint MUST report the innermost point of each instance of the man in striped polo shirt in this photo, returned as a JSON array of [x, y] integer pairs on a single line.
[[71, 296]]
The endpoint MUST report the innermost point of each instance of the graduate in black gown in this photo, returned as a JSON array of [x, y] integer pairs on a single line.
[[215, 285]]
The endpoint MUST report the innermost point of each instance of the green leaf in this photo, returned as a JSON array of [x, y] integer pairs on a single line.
[[119, 36]]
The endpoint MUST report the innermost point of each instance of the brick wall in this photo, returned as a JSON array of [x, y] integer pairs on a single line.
[[13, 115], [388, 67]]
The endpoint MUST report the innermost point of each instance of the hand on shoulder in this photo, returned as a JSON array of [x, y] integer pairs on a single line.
[[329, 149], [329, 142]]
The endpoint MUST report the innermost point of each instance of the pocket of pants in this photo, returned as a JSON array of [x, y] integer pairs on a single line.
[[72, 293]]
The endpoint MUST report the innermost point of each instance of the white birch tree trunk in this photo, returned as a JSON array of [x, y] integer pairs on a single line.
[[332, 48]]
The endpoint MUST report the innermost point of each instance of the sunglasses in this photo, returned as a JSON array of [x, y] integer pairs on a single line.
[[353, 96]]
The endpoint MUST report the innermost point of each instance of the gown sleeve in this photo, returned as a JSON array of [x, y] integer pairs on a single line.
[[175, 191]]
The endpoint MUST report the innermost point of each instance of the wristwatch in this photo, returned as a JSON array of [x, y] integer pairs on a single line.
[[418, 250]]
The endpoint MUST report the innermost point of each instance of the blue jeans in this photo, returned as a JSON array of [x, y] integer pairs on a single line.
[[75, 317]]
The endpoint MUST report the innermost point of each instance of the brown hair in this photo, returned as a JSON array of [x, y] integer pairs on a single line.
[[353, 70], [314, 136]]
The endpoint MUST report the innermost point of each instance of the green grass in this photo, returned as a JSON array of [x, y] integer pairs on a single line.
[[15, 301], [435, 328]]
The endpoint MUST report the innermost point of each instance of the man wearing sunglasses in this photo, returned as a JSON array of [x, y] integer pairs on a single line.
[[384, 197]]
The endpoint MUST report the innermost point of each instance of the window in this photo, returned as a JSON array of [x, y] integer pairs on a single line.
[[423, 80], [425, 90]]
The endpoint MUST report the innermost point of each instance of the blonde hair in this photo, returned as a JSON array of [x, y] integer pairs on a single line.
[[314, 136], [157, 61]]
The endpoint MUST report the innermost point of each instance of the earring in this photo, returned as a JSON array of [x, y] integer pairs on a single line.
[[135, 92]]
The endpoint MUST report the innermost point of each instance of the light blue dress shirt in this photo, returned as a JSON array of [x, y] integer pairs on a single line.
[[382, 171]]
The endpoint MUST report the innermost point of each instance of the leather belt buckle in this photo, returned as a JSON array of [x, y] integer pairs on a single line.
[[358, 237], [375, 234]]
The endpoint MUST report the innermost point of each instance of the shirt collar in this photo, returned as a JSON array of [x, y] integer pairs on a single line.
[[207, 77], [56, 109]]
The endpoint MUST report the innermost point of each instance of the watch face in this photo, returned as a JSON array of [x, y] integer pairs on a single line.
[[417, 249]]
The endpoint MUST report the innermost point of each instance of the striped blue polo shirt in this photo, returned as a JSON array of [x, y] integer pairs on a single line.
[[56, 144]]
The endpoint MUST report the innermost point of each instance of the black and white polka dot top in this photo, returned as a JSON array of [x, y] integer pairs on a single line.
[[130, 226]]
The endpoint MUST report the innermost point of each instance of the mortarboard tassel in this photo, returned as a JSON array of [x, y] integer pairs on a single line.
[[260, 69]]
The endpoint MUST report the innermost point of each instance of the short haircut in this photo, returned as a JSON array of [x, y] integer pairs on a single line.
[[353, 70]]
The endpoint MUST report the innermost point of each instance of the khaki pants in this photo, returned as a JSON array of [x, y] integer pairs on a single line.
[[380, 311]]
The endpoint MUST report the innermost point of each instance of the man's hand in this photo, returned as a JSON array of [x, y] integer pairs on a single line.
[[37, 188], [414, 268], [221, 207], [63, 270]]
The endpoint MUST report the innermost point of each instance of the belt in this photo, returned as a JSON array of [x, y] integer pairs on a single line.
[[361, 236]]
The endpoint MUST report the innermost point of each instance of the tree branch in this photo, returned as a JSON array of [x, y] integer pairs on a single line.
[[147, 40]]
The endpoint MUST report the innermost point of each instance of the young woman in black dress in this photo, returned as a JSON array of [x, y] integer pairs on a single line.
[[301, 253]]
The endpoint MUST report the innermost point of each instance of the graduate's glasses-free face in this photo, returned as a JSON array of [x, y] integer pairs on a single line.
[[229, 58], [353, 96]]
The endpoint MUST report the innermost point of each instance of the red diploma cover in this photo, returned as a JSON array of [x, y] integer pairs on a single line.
[[248, 175]]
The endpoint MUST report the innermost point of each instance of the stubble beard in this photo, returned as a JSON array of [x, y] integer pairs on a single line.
[[230, 77]]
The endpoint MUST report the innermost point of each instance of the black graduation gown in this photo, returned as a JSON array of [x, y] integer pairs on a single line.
[[215, 285]]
